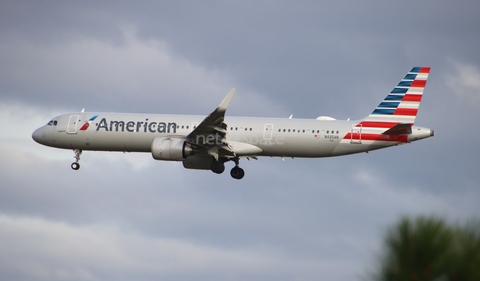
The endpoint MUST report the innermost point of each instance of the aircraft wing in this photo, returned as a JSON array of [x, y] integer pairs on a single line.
[[209, 135]]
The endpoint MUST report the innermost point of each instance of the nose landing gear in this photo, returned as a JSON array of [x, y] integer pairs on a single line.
[[75, 165]]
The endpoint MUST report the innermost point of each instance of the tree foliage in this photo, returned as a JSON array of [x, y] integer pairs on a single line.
[[428, 248]]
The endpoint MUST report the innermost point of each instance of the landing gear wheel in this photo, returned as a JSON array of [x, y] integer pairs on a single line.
[[217, 167], [75, 166], [237, 173]]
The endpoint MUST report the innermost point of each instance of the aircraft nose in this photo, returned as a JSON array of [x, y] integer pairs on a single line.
[[38, 134]]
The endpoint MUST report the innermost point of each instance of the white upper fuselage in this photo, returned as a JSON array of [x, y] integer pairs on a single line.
[[274, 136]]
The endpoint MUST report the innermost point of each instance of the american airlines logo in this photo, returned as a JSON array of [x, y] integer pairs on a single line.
[[135, 126], [88, 123]]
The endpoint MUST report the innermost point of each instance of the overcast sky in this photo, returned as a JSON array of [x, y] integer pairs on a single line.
[[129, 217]]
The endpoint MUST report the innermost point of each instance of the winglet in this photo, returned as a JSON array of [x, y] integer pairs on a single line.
[[226, 101]]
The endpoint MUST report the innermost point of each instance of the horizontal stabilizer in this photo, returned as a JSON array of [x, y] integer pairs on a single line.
[[399, 129]]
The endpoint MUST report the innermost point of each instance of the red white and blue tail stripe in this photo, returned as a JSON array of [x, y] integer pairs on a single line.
[[401, 105], [392, 119]]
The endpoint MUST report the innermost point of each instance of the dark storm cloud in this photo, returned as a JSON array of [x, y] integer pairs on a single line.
[[127, 217]]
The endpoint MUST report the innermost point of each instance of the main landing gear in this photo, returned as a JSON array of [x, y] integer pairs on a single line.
[[218, 167], [237, 173], [75, 165]]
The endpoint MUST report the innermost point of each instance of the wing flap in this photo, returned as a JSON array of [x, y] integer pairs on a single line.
[[218, 129]]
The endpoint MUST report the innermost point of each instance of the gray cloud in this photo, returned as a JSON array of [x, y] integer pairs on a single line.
[[127, 217]]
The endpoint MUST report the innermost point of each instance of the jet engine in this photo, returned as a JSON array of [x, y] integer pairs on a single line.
[[173, 149]]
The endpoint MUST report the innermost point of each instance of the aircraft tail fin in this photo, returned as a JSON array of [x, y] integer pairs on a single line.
[[402, 103]]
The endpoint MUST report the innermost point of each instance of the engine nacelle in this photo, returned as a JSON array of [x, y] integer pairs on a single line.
[[173, 149]]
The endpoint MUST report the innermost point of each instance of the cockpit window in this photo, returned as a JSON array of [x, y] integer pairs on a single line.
[[55, 122], [50, 123]]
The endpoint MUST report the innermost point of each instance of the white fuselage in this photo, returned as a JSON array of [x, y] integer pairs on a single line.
[[208, 142], [274, 136]]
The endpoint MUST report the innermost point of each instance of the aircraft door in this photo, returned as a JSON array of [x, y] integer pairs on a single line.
[[72, 124], [268, 131], [356, 134], [194, 125]]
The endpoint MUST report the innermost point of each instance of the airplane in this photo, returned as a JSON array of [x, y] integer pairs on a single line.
[[207, 143]]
